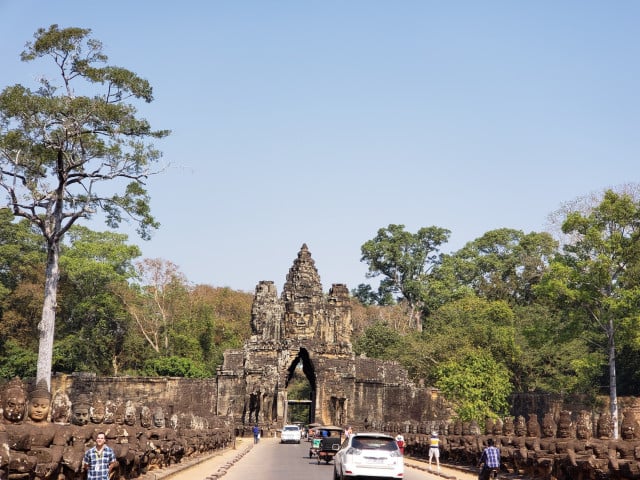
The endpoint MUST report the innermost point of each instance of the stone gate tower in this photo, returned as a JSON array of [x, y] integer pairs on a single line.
[[307, 328], [303, 327]]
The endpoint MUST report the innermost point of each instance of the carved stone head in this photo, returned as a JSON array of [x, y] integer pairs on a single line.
[[61, 408], [605, 425], [520, 427], [130, 414], [565, 425], [145, 417], [39, 403], [489, 423], [110, 409], [97, 411], [629, 425], [81, 410], [497, 427], [533, 427], [549, 426], [584, 426], [508, 427], [14, 401], [158, 418]]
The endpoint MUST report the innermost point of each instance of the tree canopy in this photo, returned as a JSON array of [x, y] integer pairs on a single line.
[[65, 156]]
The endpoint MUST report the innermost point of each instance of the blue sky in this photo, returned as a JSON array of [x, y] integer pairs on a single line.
[[320, 122]]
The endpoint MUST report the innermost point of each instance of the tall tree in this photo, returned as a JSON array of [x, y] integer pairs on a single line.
[[405, 260], [93, 322], [64, 156], [503, 264], [597, 277]]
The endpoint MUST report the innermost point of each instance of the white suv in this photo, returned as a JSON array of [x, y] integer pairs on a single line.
[[368, 455], [290, 434]]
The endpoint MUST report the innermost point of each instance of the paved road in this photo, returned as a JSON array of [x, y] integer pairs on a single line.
[[270, 460]]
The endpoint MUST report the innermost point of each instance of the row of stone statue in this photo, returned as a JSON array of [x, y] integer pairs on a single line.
[[38, 442], [38, 407], [562, 449]]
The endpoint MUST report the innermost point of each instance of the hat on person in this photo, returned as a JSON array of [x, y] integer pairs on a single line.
[[434, 434]]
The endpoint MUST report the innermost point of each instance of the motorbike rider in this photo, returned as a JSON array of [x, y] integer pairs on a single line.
[[490, 460]]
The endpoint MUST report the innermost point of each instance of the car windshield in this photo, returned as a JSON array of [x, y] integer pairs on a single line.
[[374, 443], [291, 428]]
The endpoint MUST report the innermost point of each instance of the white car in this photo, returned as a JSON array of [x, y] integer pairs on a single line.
[[368, 455], [290, 434]]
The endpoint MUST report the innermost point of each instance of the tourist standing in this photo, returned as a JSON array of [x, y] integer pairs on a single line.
[[99, 460], [256, 433]]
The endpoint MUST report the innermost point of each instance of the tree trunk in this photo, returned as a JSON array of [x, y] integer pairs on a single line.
[[613, 391], [47, 325]]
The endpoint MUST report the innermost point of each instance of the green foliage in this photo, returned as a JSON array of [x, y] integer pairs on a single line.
[[17, 361], [174, 367], [378, 341], [553, 359], [476, 384], [503, 264], [595, 281], [405, 261]]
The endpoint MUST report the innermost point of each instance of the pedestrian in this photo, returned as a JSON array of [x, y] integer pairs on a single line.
[[400, 442], [100, 460], [256, 433], [490, 460], [434, 449], [348, 431]]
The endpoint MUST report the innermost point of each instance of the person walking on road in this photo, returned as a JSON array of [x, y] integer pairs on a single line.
[[434, 449], [256, 433]]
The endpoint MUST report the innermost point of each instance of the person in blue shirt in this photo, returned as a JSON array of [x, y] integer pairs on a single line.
[[256, 434], [99, 460], [490, 460]]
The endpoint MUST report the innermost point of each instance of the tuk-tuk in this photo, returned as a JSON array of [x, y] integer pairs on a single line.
[[311, 431], [330, 442]]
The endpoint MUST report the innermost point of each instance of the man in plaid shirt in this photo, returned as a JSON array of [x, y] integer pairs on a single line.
[[490, 460], [98, 461]]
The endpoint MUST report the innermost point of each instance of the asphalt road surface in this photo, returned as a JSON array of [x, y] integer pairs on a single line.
[[271, 460]]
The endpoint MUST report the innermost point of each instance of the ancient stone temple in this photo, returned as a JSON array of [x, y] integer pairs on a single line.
[[308, 329]]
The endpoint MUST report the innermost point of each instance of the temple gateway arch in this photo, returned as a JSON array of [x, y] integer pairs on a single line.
[[308, 329]]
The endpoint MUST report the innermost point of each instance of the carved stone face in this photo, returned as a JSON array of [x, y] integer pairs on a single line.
[[110, 408], [548, 427], [13, 405], [508, 426], [565, 426], [130, 415], [39, 409], [81, 414], [158, 418], [520, 426], [605, 428], [97, 412], [583, 427], [145, 417], [497, 427], [533, 427]]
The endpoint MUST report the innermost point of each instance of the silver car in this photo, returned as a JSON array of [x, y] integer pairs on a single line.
[[368, 455], [290, 434]]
